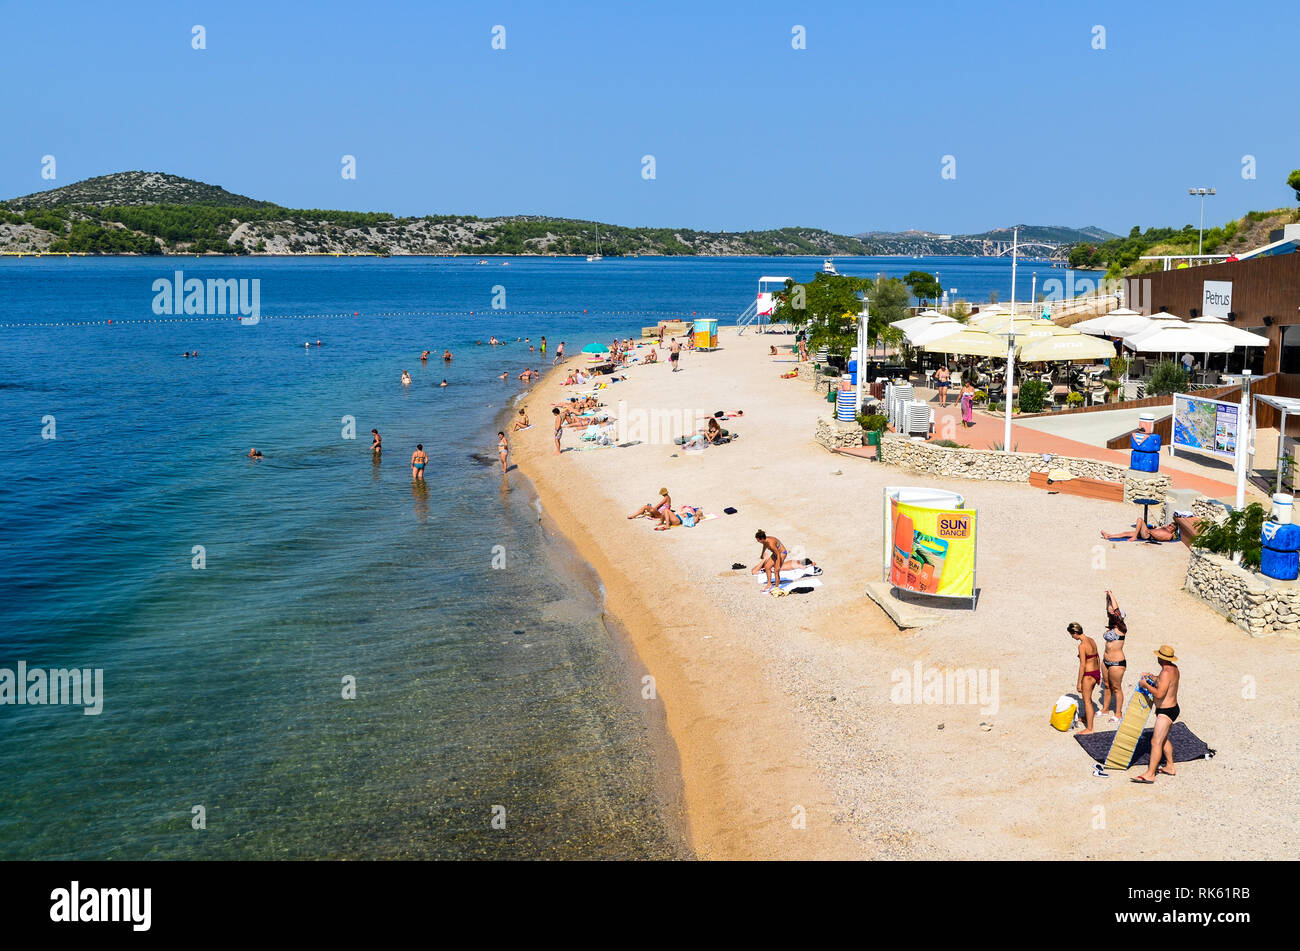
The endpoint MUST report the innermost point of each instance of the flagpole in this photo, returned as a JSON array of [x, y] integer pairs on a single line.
[[1011, 342]]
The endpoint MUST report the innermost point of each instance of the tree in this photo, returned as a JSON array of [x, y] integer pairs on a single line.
[[826, 308], [924, 286], [1294, 181]]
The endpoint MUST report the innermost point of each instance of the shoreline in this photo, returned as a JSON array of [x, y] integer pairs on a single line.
[[793, 742], [664, 755]]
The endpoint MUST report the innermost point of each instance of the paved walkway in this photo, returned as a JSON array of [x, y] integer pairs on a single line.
[[988, 431]]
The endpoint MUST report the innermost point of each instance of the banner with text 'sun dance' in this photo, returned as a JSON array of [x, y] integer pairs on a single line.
[[933, 550]]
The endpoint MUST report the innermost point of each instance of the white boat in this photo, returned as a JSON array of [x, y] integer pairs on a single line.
[[596, 256], [828, 267]]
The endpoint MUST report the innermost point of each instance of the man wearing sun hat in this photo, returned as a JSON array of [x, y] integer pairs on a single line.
[[1164, 693]]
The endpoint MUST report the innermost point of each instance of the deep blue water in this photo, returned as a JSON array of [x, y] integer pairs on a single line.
[[476, 686]]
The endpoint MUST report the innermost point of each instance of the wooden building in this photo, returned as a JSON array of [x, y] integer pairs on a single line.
[[1260, 294]]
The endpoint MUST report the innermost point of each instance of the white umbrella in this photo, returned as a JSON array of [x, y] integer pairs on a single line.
[[1066, 346], [1221, 328], [1176, 337], [919, 336], [922, 320], [932, 313], [975, 343]]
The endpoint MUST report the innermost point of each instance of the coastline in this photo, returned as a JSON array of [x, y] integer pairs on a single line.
[[664, 755], [793, 741]]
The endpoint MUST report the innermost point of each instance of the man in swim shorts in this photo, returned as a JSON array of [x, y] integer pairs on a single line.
[[674, 353], [419, 459], [1164, 693]]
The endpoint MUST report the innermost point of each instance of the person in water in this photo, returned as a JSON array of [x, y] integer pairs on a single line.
[[424, 357], [1113, 659], [505, 375], [419, 459], [1164, 693], [376, 442], [446, 356], [503, 451], [406, 378], [543, 346], [522, 422], [443, 383], [1089, 672], [254, 453]]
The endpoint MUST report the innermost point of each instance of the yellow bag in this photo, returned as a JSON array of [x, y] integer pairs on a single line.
[[1063, 714]]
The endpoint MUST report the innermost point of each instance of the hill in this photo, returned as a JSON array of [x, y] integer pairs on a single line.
[[136, 188], [156, 213], [1123, 254], [918, 243]]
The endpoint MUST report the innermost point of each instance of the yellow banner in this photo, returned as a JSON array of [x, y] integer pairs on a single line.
[[933, 550]]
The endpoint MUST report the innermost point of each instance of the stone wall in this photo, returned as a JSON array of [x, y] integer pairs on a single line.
[[1015, 466], [1209, 510], [834, 434], [1258, 605]]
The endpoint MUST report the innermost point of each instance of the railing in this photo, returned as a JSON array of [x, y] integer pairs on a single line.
[[749, 316]]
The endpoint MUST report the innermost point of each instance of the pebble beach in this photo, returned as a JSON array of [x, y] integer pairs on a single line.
[[796, 729]]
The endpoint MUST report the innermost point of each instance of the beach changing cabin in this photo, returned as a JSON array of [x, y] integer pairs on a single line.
[[706, 334]]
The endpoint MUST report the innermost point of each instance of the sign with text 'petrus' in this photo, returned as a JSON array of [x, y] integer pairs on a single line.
[[1216, 300]]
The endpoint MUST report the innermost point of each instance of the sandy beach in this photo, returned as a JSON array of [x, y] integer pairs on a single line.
[[784, 711]]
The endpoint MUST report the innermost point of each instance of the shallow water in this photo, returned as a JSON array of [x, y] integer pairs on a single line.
[[476, 686]]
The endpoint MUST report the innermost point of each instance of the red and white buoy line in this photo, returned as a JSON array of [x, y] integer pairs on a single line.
[[220, 318]]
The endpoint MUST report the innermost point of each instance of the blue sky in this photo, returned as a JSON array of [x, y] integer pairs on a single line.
[[848, 134]]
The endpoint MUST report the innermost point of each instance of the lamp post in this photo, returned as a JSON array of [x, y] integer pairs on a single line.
[[864, 319], [1011, 342], [1201, 193]]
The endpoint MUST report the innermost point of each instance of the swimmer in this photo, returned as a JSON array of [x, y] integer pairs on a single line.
[[442, 384], [419, 459], [424, 357], [446, 356], [505, 375], [377, 443], [318, 343], [254, 453], [406, 378]]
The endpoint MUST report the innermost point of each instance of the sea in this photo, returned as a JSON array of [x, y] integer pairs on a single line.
[[309, 655]]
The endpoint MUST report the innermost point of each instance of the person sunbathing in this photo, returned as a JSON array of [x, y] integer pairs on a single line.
[[715, 434], [653, 511], [667, 518], [522, 421], [1144, 532]]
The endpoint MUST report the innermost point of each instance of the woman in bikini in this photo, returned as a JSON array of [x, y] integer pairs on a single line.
[[522, 421], [774, 555], [655, 511], [1149, 533], [1113, 659], [1089, 672], [503, 451], [419, 459]]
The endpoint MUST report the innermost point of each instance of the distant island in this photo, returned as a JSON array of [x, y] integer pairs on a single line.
[[157, 213]]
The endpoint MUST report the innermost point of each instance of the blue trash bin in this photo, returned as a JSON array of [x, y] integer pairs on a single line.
[[1280, 557], [1145, 456]]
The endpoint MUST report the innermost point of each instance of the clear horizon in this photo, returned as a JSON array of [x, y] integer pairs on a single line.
[[852, 133]]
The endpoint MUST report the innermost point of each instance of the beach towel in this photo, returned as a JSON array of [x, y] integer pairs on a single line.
[[792, 574], [1187, 746], [801, 586]]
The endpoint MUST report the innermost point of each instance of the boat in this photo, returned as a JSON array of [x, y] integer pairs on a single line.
[[596, 256], [828, 267]]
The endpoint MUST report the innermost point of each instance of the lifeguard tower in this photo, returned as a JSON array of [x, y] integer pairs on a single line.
[[760, 311]]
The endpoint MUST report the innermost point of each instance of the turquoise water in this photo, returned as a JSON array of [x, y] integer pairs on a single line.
[[476, 687]]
